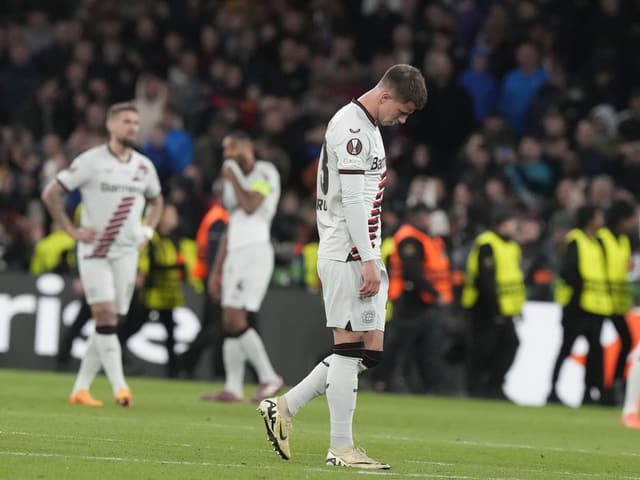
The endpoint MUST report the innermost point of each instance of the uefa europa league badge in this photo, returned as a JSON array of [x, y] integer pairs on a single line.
[[354, 146]]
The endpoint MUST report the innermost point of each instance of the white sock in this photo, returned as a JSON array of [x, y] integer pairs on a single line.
[[342, 388], [108, 347], [632, 395], [89, 366], [257, 356], [311, 386], [234, 358]]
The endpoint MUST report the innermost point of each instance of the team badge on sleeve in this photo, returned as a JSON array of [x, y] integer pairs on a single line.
[[354, 146]]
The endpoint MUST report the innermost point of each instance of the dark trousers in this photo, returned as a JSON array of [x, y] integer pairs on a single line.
[[492, 348], [209, 336], [417, 338], [574, 324], [135, 318], [620, 323]]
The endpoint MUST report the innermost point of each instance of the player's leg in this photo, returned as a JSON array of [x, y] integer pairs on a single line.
[[234, 324], [359, 341], [97, 281], [632, 393], [124, 273], [256, 267]]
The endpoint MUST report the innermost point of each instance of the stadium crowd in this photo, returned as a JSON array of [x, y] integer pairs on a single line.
[[525, 109]]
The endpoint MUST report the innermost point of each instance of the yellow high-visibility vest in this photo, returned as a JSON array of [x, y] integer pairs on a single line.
[[166, 267], [595, 296], [617, 255], [509, 276]]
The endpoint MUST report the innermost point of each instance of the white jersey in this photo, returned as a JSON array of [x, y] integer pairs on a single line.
[[353, 145], [245, 228], [113, 198]]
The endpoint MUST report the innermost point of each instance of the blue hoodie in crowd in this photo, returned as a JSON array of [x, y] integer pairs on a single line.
[[516, 94]]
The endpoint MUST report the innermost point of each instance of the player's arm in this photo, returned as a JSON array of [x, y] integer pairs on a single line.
[[249, 200], [153, 211], [214, 281], [55, 192], [351, 155], [155, 204]]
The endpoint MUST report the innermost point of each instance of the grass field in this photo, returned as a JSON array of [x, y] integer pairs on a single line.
[[170, 434]]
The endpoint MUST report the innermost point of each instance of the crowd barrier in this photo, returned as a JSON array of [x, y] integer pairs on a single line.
[[35, 311]]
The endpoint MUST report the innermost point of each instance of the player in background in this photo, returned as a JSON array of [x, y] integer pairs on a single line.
[[350, 186], [243, 266], [116, 182]]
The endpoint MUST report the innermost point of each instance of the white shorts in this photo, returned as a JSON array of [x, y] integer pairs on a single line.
[[246, 274], [109, 280], [341, 282]]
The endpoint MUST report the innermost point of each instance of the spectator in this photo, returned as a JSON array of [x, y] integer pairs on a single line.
[[519, 86], [151, 100], [530, 177], [449, 118], [480, 84]]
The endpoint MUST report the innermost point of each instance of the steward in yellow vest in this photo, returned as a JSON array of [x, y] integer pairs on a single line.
[[584, 293], [166, 263], [614, 239], [54, 253], [494, 293], [419, 285]]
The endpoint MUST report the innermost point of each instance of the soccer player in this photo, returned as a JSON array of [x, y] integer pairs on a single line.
[[350, 185], [243, 266], [115, 182]]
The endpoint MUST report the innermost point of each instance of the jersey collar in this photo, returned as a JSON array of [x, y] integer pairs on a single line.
[[366, 112], [113, 154]]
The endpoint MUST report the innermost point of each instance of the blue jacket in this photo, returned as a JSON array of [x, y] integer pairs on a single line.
[[516, 94]]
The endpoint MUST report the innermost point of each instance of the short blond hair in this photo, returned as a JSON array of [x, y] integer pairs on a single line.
[[120, 107]]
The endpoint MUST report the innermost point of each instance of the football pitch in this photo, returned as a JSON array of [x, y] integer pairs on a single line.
[[170, 434]]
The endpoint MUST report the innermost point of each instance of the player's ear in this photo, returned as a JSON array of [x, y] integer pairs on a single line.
[[385, 96]]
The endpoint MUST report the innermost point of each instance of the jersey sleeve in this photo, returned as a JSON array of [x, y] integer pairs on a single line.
[[269, 183], [77, 174], [153, 188], [351, 150]]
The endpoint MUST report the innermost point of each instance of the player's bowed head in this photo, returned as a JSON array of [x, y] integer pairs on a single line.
[[400, 92]]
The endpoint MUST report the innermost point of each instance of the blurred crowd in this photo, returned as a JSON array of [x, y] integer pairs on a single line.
[[533, 104]]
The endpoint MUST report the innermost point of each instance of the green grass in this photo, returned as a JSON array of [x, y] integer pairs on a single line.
[[170, 434]]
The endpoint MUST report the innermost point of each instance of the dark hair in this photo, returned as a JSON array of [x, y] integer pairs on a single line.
[[417, 209], [408, 84], [585, 214], [501, 215], [240, 135], [618, 211], [117, 108]]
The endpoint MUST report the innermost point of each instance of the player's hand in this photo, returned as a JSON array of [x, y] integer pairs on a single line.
[[86, 235], [214, 286], [228, 173], [370, 279], [76, 287]]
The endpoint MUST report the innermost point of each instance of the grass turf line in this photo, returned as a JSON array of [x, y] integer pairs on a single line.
[[170, 433]]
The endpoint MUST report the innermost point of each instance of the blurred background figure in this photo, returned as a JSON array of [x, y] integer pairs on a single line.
[[494, 293]]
